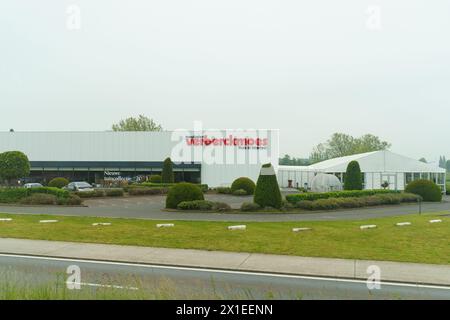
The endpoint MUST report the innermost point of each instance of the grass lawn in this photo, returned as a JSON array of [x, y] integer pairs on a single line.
[[421, 242]]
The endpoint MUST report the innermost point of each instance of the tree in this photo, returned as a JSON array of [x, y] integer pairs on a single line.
[[267, 192], [340, 145], [353, 177], [287, 160], [447, 165], [13, 165], [442, 162], [423, 160], [167, 171], [142, 123]]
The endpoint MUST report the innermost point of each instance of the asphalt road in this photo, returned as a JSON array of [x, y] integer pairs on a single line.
[[151, 208], [188, 283]]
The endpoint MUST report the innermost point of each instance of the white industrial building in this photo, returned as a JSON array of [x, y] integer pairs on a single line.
[[213, 157], [377, 167]]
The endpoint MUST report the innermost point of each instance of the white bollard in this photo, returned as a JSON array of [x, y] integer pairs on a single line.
[[101, 224], [165, 225], [368, 226], [300, 229], [48, 221], [240, 227], [401, 224], [5, 219], [434, 221]]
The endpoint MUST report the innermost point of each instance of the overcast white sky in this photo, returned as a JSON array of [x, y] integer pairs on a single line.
[[309, 68]]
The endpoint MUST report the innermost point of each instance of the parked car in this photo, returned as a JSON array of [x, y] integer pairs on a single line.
[[32, 185], [79, 187]]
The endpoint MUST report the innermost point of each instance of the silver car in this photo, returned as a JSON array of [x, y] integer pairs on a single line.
[[32, 185], [79, 187]]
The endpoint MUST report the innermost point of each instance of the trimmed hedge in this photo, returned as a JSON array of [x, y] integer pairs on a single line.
[[357, 202], [427, 189], [203, 187], [155, 179], [58, 183], [353, 179], [245, 184], [44, 195], [114, 192], [39, 198], [147, 191], [204, 205], [240, 192], [183, 192], [267, 192], [97, 193], [223, 190], [311, 196]]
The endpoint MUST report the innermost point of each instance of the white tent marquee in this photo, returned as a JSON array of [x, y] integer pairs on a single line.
[[377, 167]]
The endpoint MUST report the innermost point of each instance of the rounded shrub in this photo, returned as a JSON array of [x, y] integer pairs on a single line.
[[243, 183], [267, 191], [183, 192], [240, 192], [156, 178], [428, 190], [353, 177], [58, 183]]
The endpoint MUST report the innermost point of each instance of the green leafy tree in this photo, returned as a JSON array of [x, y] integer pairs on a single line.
[[288, 161], [13, 165], [353, 177], [141, 123], [267, 192], [442, 162], [340, 145], [447, 165], [167, 171]]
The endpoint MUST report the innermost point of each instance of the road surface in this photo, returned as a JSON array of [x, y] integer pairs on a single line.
[[188, 283]]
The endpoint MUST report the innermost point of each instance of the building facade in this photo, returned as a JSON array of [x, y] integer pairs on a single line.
[[213, 157], [377, 168]]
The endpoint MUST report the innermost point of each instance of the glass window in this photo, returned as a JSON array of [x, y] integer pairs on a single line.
[[416, 175], [408, 177]]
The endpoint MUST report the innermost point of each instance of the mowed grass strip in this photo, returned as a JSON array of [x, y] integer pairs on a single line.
[[422, 242]]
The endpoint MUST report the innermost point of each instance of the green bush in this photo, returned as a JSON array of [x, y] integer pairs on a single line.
[[427, 189], [39, 198], [155, 178], [167, 175], [114, 192], [72, 200], [294, 198], [222, 206], [353, 177], [147, 191], [14, 195], [58, 183], [196, 205], [203, 187], [267, 192], [223, 190], [97, 193], [245, 184], [240, 192], [357, 202], [183, 192], [250, 207]]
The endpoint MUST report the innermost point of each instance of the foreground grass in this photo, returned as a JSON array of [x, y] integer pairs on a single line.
[[421, 242]]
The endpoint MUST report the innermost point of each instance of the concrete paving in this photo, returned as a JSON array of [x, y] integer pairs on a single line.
[[293, 265]]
